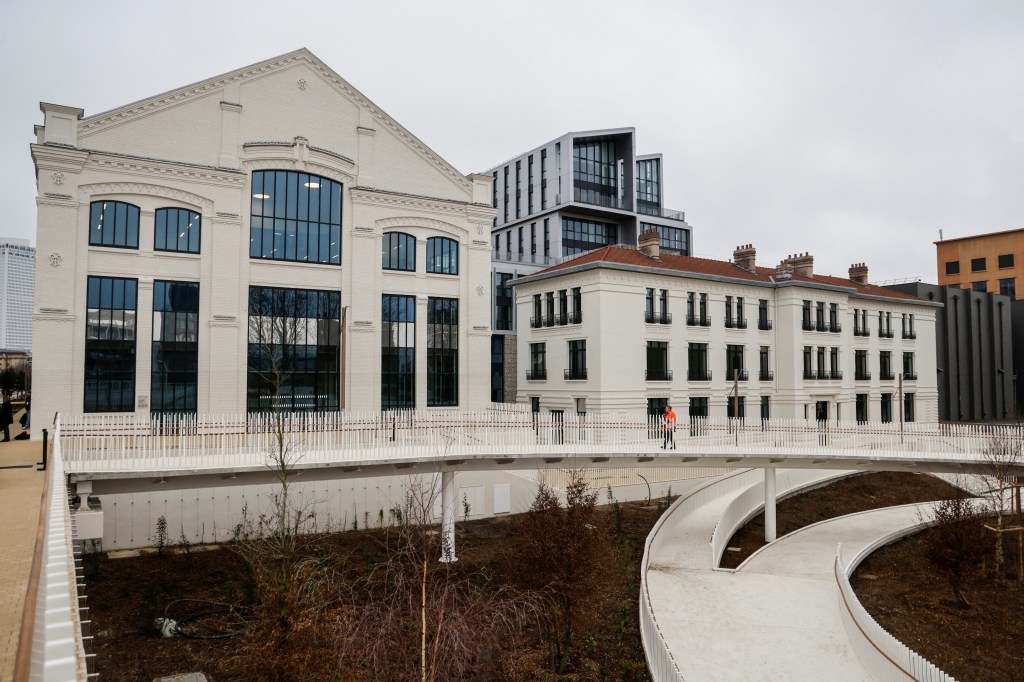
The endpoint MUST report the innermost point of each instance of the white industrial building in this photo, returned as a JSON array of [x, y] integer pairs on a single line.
[[178, 230], [622, 328], [17, 290]]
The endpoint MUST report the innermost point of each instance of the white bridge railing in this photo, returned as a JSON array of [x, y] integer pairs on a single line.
[[97, 443]]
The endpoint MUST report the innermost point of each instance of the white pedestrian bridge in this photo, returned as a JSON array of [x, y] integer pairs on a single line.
[[97, 455]]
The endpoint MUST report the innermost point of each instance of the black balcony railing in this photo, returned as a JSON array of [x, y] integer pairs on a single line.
[[835, 327], [561, 320], [658, 375], [704, 321], [885, 334], [576, 317], [549, 321], [821, 326], [733, 373], [536, 322], [576, 373], [764, 324], [698, 375], [657, 318], [836, 375], [729, 324], [536, 375], [741, 323], [808, 326], [810, 374], [909, 376], [857, 331], [887, 376], [766, 375], [863, 376], [910, 335]]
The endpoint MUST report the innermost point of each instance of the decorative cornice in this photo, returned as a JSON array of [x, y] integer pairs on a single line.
[[335, 155], [88, 191], [54, 195], [164, 168], [57, 203], [419, 221], [266, 143], [289, 163]]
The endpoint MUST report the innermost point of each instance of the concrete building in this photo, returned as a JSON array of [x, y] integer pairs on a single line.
[[974, 351], [17, 291], [575, 193], [620, 328], [270, 221], [986, 262]]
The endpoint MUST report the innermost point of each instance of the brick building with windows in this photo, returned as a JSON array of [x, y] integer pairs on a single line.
[[992, 262], [268, 221]]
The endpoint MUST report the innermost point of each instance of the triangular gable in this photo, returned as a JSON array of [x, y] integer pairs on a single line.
[[203, 88]]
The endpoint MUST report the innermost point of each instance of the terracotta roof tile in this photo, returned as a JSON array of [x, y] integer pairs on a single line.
[[622, 255]]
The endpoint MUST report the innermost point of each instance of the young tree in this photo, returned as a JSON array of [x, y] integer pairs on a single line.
[[1003, 462], [957, 543], [559, 544]]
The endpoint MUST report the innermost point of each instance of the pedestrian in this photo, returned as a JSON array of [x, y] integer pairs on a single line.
[[669, 422], [26, 419], [6, 415]]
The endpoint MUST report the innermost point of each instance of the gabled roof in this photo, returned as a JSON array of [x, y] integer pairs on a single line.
[[202, 88], [632, 258]]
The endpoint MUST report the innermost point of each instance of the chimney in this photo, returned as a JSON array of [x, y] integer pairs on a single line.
[[649, 244], [799, 264], [859, 273], [744, 255]]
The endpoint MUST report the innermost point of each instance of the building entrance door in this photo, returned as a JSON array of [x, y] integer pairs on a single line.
[[821, 410]]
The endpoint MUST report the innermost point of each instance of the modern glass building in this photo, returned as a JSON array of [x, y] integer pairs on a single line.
[[17, 292]]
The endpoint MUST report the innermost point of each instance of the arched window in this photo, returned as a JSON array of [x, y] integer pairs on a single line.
[[176, 229], [398, 251], [114, 223], [443, 256], [295, 217]]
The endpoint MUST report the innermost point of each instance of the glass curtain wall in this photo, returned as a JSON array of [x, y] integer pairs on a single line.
[[442, 352], [595, 173], [295, 217], [175, 367], [110, 344], [398, 352]]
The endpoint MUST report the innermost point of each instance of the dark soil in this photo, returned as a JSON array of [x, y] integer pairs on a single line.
[[846, 496], [126, 595], [902, 591]]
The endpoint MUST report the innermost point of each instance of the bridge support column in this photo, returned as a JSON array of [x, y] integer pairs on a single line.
[[769, 505], [447, 516]]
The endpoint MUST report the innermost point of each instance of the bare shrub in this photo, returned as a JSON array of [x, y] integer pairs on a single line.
[[957, 544]]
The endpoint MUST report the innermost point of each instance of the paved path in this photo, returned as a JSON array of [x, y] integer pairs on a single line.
[[20, 493], [776, 618]]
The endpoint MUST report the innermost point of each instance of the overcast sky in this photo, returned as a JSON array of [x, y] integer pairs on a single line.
[[852, 130]]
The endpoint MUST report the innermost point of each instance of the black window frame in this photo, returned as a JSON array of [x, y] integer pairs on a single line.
[[175, 347], [1005, 261], [104, 222], [276, 222], [111, 326], [953, 267], [192, 227], [442, 352], [442, 256], [394, 247], [398, 352], [979, 264]]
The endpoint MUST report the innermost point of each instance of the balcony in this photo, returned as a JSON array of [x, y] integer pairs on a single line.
[[549, 320], [651, 317], [595, 198], [766, 375], [887, 376], [863, 376], [764, 324], [857, 331], [733, 373], [693, 321], [576, 317], [561, 320], [810, 375], [885, 334], [536, 322], [499, 255], [910, 334], [808, 326], [821, 326], [649, 209], [910, 376], [741, 324], [835, 327], [836, 375], [698, 375], [576, 374], [537, 375], [658, 375], [735, 324]]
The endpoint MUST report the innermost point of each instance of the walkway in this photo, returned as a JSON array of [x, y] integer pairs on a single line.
[[777, 617], [21, 490]]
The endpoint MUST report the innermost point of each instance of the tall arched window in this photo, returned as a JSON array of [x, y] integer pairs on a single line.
[[295, 217], [443, 256], [398, 251], [114, 223]]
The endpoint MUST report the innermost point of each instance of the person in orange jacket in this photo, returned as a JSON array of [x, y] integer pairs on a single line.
[[669, 421]]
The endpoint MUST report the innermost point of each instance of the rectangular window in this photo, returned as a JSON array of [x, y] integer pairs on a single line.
[[579, 236], [691, 318], [665, 317], [885, 365], [705, 321], [538, 317], [533, 241], [175, 366], [529, 185], [807, 324], [1008, 287], [549, 306], [763, 323], [544, 181], [820, 316], [657, 361], [1006, 260], [398, 352], [741, 320], [909, 372], [497, 368], [648, 186], [508, 244], [978, 265], [860, 365], [502, 301], [595, 173], [698, 362], [734, 369], [519, 194], [764, 367], [908, 407], [505, 185], [674, 240], [577, 360], [649, 306], [953, 267], [114, 223], [731, 410], [862, 408], [834, 371], [547, 240], [833, 318], [698, 407], [979, 286], [538, 362], [809, 362], [728, 312], [442, 352], [294, 343], [176, 229], [766, 409], [110, 344], [577, 306], [563, 306], [822, 372], [886, 408], [520, 236]]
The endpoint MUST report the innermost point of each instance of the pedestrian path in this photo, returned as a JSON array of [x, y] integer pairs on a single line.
[[21, 490], [775, 618]]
